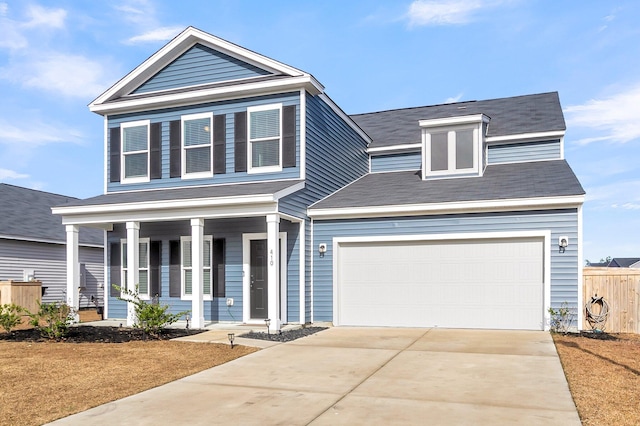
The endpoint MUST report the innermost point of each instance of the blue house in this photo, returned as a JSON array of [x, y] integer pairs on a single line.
[[237, 189]]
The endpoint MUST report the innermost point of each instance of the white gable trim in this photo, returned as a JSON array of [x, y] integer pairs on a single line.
[[527, 136], [407, 147], [447, 208], [181, 43]]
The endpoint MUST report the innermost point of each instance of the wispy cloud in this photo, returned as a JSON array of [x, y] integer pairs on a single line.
[[622, 194], [157, 34], [442, 12], [613, 118], [453, 99], [36, 133], [42, 17], [6, 174]]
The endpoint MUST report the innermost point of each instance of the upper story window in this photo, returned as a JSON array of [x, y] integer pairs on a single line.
[[197, 141], [265, 138], [452, 146], [135, 151]]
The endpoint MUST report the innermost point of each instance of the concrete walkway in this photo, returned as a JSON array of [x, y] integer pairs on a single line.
[[352, 376]]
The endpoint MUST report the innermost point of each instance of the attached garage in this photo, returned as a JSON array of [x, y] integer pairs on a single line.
[[496, 283]]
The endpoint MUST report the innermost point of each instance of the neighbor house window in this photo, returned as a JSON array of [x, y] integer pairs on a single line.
[[135, 151], [197, 140], [143, 267], [265, 138], [452, 147], [187, 267]]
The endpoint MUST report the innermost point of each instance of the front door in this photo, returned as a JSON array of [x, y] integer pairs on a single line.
[[258, 279]]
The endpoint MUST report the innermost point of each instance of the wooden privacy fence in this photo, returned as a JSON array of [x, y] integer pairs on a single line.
[[620, 288]]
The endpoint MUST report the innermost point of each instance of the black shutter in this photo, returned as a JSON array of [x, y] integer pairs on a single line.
[[289, 136], [240, 137], [154, 264], [155, 156], [115, 270], [175, 149], [219, 144], [174, 269], [218, 268], [114, 151]]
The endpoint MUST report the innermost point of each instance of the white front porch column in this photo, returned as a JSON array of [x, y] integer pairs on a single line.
[[133, 266], [73, 268], [197, 263], [273, 270]]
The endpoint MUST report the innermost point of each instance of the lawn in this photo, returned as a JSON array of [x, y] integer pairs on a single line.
[[44, 381], [603, 372]]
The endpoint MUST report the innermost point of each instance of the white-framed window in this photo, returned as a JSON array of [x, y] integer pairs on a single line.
[[453, 146], [197, 145], [143, 266], [135, 151], [264, 150], [186, 267]]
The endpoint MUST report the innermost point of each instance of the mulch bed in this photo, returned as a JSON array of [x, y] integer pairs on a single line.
[[284, 336], [92, 334]]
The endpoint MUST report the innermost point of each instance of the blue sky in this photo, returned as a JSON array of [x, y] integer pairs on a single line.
[[57, 56]]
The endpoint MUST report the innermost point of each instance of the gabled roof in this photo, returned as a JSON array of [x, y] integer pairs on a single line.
[[529, 114], [516, 181], [25, 214], [121, 98], [623, 262]]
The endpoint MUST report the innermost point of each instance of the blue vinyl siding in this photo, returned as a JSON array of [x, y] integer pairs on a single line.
[[226, 107], [564, 266], [200, 65], [532, 151], [396, 162], [231, 230]]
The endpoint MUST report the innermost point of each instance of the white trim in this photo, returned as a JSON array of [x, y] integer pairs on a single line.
[[451, 132], [183, 295], [451, 207], [544, 234], [526, 136], [580, 270], [303, 133], [246, 276], [403, 147], [302, 279], [345, 117], [106, 158], [123, 253], [183, 148], [311, 243], [562, 147], [106, 270], [123, 167], [454, 121], [263, 169]]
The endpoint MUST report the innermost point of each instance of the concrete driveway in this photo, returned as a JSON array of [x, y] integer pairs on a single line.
[[348, 375]]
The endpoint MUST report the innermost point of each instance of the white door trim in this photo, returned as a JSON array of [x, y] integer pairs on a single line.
[[246, 285], [544, 234]]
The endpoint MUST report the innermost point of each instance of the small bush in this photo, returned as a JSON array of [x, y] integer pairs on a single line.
[[561, 318], [53, 319], [151, 317], [10, 316]]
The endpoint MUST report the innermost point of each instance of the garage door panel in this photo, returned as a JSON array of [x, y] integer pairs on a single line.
[[470, 284]]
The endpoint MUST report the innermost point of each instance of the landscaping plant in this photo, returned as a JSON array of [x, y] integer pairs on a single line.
[[53, 319], [561, 318], [151, 317], [10, 316]]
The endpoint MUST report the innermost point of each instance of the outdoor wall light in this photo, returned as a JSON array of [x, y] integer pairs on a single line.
[[267, 322], [322, 249], [231, 337], [563, 242]]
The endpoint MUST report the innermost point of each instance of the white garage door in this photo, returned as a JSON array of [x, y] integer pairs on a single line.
[[457, 284]]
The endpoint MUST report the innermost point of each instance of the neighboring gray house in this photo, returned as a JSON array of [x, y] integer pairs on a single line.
[[624, 262], [237, 189], [33, 243]]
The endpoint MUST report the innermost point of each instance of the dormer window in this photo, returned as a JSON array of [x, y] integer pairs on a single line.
[[452, 147]]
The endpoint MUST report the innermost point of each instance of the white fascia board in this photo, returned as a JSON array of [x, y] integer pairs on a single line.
[[404, 147], [345, 117], [454, 121], [134, 104], [183, 41], [289, 190], [526, 136], [447, 208]]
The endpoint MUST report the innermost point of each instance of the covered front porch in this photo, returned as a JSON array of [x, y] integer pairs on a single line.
[[224, 259]]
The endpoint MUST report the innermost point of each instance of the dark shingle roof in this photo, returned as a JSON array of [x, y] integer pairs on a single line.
[[499, 182], [623, 262], [187, 193], [26, 214], [521, 114]]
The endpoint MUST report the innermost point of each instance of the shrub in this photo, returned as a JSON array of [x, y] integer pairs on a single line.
[[561, 318], [53, 319], [151, 317], [10, 316]]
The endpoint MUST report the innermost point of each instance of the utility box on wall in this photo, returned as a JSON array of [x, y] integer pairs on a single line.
[[22, 293]]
